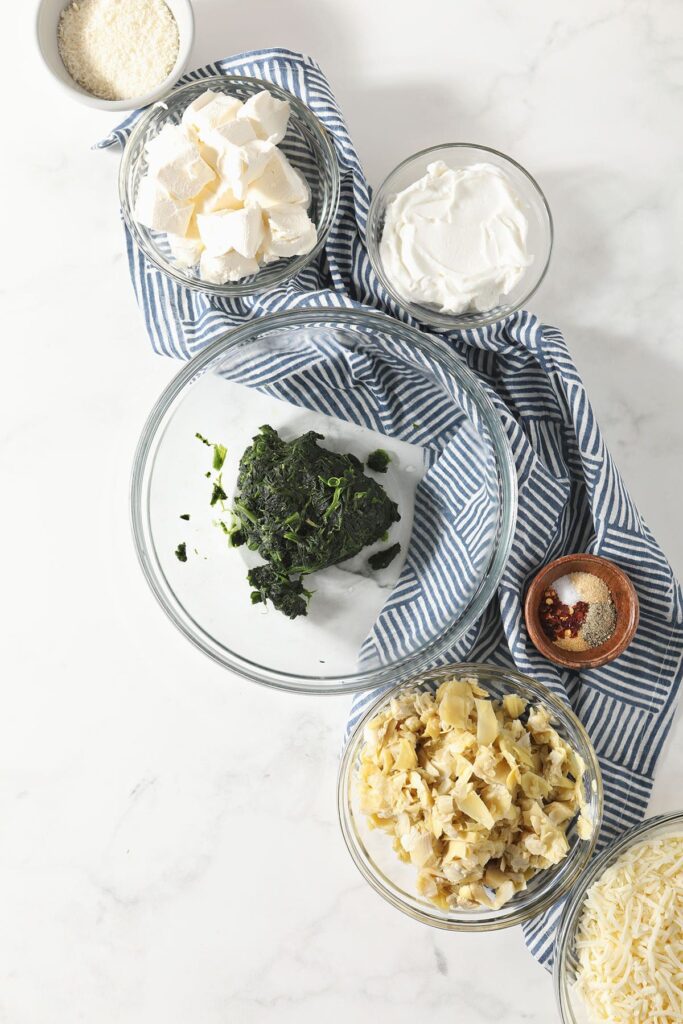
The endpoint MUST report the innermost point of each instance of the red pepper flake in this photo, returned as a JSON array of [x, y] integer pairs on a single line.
[[560, 621]]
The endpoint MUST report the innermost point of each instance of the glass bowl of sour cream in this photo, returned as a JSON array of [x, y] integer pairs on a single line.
[[460, 236]]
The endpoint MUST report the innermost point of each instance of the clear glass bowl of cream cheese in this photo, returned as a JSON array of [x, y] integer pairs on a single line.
[[307, 148], [460, 236]]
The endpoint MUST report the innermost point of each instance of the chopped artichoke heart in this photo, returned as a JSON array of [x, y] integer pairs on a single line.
[[455, 705], [534, 786], [584, 827], [514, 706], [487, 723], [405, 756], [475, 793], [474, 807]]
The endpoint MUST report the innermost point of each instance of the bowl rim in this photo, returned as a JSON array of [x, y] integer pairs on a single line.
[[348, 682], [185, 44], [517, 914], [432, 317], [572, 908], [597, 656], [290, 265]]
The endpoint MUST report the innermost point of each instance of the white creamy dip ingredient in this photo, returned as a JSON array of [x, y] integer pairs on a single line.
[[227, 198], [456, 238]]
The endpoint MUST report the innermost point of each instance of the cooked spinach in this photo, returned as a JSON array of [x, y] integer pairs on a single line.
[[303, 508], [233, 532], [219, 451], [186, 516], [218, 494], [181, 552], [378, 460], [381, 559], [287, 595]]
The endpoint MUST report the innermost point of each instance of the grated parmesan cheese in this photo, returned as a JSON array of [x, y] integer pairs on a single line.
[[630, 938], [118, 49]]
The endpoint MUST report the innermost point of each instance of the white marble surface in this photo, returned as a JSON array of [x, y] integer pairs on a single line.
[[169, 850]]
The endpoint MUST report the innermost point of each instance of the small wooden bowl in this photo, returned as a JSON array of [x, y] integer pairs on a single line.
[[624, 597]]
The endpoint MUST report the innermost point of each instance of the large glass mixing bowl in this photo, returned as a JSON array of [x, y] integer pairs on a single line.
[[364, 381]]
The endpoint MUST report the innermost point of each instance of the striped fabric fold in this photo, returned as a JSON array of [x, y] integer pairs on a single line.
[[571, 497]]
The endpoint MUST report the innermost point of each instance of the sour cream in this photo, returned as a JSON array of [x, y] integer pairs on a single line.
[[456, 239]]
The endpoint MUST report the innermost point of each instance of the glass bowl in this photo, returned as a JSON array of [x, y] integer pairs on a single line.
[[371, 849], [307, 146], [265, 372], [570, 1004], [540, 237]]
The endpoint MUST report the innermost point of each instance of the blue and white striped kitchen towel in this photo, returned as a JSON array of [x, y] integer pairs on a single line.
[[571, 497]]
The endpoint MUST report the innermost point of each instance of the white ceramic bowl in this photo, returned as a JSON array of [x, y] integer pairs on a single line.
[[47, 21]]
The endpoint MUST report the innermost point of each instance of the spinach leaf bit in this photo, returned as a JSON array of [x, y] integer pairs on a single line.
[[218, 494], [233, 532], [378, 460], [381, 559], [219, 451], [186, 516], [181, 552], [303, 508]]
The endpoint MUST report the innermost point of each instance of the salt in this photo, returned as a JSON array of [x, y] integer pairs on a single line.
[[566, 591]]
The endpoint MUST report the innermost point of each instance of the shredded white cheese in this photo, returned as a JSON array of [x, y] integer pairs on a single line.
[[118, 49], [630, 938]]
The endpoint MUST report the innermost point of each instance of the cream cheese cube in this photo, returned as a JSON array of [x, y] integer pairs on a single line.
[[229, 267], [188, 118], [253, 160], [240, 230], [158, 210], [264, 255], [230, 136], [216, 196], [186, 251], [237, 132], [217, 112], [268, 115], [279, 183], [176, 163], [291, 232], [167, 144]]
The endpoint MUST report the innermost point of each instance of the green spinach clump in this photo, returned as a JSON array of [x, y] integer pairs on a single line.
[[378, 460], [381, 559], [303, 508]]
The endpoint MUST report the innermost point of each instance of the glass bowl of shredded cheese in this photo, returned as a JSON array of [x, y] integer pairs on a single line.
[[256, 201], [619, 950], [470, 797]]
